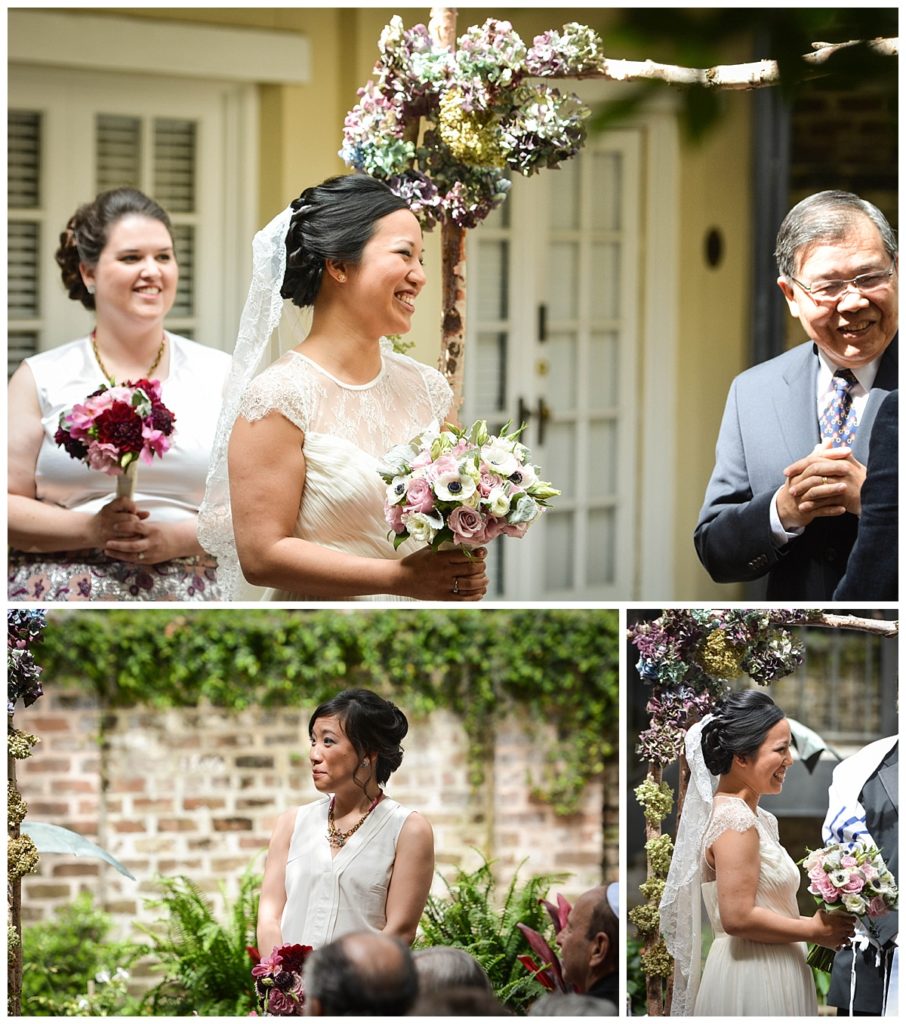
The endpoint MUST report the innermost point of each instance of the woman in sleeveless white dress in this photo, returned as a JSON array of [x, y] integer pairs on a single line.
[[728, 853], [70, 537], [294, 493], [354, 860]]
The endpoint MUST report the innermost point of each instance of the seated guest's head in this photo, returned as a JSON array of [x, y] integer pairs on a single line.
[[571, 1004], [441, 967], [363, 974], [459, 1001], [589, 941]]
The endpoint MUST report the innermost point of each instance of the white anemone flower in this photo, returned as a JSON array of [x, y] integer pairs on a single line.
[[499, 459], [454, 486]]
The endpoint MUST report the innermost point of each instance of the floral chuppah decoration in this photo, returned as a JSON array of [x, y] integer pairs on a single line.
[[23, 681], [484, 118], [688, 657]]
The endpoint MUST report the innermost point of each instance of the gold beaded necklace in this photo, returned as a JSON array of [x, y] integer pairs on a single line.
[[337, 838], [109, 375]]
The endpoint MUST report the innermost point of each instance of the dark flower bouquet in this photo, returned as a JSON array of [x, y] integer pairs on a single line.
[[278, 980], [115, 427]]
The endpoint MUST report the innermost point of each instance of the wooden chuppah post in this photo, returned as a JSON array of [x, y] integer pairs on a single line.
[[442, 29]]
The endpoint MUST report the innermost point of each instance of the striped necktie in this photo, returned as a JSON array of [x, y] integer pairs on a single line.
[[838, 418]]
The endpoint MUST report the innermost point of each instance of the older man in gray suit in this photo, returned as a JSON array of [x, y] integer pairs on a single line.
[[784, 498]]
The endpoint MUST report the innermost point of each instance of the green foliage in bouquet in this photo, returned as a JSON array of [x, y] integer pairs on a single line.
[[204, 960], [72, 966], [473, 917]]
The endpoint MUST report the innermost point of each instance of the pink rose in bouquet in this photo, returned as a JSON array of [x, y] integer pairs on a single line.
[[464, 487], [851, 878]]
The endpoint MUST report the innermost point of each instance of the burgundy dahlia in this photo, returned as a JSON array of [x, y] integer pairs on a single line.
[[120, 425]]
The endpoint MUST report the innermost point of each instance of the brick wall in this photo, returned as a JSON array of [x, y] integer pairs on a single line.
[[197, 791]]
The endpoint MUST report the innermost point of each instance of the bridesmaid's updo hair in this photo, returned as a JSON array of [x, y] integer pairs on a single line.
[[372, 725], [88, 229], [332, 221], [740, 723]]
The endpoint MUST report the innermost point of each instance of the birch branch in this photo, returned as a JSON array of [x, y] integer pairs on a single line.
[[754, 75]]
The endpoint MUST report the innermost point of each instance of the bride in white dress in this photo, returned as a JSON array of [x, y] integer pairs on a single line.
[[294, 495], [728, 853]]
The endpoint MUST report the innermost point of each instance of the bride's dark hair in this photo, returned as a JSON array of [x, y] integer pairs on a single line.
[[740, 723], [332, 221], [372, 725]]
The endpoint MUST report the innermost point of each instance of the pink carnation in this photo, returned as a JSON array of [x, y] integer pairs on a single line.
[[103, 457]]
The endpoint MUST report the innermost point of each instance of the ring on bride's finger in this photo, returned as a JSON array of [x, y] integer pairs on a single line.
[[455, 584], [141, 556], [824, 480]]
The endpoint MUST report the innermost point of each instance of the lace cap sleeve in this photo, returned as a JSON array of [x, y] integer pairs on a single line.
[[283, 387], [440, 394], [730, 813]]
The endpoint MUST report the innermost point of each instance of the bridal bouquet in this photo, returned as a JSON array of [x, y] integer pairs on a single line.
[[116, 426], [850, 877], [465, 487], [278, 980]]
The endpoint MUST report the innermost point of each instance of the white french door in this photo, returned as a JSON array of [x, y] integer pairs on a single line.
[[557, 289]]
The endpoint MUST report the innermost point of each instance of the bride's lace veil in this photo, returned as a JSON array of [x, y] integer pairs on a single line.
[[261, 317], [680, 905]]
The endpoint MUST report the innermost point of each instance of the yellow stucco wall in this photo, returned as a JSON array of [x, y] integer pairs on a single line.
[[300, 133], [714, 315]]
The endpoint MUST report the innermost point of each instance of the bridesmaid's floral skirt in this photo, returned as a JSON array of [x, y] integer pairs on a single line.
[[92, 576]]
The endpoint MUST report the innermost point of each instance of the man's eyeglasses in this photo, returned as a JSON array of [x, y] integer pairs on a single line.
[[830, 291]]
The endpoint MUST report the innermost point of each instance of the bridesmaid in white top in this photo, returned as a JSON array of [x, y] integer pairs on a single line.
[[354, 860], [70, 537]]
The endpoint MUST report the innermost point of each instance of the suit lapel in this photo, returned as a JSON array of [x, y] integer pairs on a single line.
[[794, 405]]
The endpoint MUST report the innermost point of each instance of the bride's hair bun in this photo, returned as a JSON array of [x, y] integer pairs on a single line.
[[332, 221], [740, 723], [88, 229], [372, 724]]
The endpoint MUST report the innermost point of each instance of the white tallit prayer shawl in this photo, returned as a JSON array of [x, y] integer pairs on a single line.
[[845, 823]]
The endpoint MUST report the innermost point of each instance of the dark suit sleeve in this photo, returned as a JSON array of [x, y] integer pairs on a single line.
[[733, 536], [871, 571]]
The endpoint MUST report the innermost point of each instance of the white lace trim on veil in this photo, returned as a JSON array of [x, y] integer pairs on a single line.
[[680, 906], [260, 318]]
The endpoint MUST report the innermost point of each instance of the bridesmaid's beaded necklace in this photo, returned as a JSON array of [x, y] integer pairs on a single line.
[[109, 375], [335, 836]]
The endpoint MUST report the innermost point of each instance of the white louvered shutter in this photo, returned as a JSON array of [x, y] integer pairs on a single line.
[[24, 130]]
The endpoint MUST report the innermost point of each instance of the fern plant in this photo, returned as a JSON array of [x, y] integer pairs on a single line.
[[206, 964], [471, 917]]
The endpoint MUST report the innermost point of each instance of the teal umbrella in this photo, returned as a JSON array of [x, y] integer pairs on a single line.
[[54, 839]]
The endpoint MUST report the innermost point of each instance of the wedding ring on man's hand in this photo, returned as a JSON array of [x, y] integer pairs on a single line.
[[455, 584], [824, 480], [141, 556]]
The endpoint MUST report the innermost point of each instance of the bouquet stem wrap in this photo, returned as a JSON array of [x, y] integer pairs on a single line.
[[125, 482]]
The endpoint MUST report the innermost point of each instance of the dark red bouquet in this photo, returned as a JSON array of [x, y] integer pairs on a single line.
[[278, 980], [115, 427]]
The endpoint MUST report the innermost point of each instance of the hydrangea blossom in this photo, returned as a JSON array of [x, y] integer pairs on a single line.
[[483, 118]]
